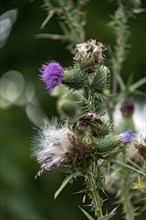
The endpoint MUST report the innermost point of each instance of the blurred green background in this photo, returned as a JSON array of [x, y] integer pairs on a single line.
[[23, 197]]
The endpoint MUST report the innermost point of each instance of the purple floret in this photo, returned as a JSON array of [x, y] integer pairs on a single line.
[[51, 74], [126, 136]]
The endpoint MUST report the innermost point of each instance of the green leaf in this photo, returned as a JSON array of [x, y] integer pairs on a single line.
[[140, 93], [84, 191], [47, 19], [129, 82], [108, 216], [121, 83], [64, 184], [64, 28], [86, 214], [139, 10], [137, 84], [128, 167], [51, 36]]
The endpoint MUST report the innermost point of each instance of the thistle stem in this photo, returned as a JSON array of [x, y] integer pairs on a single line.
[[92, 102], [109, 110], [94, 192]]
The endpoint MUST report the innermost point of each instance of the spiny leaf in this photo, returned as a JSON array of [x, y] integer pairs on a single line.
[[64, 184], [138, 10], [51, 36], [129, 82], [86, 214], [85, 191], [138, 84], [121, 82], [108, 216], [128, 167], [50, 15]]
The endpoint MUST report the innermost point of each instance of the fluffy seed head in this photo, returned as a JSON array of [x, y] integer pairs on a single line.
[[52, 144], [51, 74]]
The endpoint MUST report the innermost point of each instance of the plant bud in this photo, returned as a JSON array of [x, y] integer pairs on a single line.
[[74, 79], [127, 108], [108, 143], [99, 79]]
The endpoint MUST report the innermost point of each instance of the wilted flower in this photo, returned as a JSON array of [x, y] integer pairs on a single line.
[[126, 136], [91, 50], [85, 120], [56, 145], [51, 74]]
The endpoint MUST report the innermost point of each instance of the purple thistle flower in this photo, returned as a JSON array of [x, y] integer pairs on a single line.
[[126, 136], [51, 74]]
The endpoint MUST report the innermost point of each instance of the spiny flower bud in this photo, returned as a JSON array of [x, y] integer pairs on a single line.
[[108, 143], [127, 108], [90, 50], [100, 79], [51, 74], [74, 78], [112, 141]]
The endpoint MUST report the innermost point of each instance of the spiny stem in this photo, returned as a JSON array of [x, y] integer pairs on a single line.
[[94, 192], [125, 198], [92, 101], [122, 34]]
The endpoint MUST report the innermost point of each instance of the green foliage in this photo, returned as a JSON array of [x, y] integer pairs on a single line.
[[63, 185], [71, 20]]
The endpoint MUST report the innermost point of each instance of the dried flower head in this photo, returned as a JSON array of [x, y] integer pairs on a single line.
[[85, 120], [140, 145], [98, 126], [127, 108], [91, 50], [56, 145], [126, 136], [51, 74]]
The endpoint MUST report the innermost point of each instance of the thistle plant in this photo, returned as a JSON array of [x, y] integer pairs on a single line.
[[90, 144], [87, 143]]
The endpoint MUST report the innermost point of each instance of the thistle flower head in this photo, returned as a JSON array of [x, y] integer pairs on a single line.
[[91, 50], [127, 108], [51, 74], [56, 145], [126, 136]]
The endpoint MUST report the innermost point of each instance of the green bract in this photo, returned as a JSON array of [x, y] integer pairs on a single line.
[[74, 78]]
